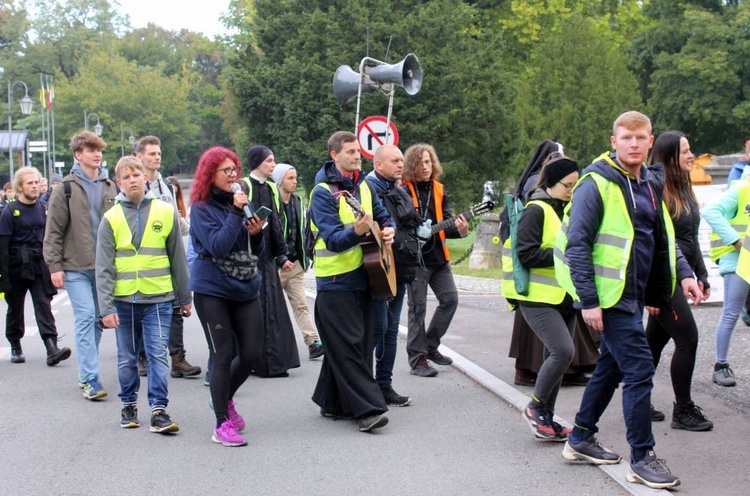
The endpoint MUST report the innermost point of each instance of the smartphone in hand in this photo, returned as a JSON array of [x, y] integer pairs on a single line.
[[263, 212]]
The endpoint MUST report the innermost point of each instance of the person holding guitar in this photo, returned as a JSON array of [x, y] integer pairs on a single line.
[[346, 388], [421, 173]]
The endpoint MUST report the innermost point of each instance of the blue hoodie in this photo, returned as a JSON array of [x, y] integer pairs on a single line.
[[647, 275], [324, 211]]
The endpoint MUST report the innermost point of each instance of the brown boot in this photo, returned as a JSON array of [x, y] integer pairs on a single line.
[[181, 367]]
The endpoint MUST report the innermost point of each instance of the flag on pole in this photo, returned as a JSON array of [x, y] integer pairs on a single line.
[[50, 95], [43, 97]]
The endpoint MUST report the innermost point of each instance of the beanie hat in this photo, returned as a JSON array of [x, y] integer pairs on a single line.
[[55, 178], [279, 172], [556, 169], [256, 155]]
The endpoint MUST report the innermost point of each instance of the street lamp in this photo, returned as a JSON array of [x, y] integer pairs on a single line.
[[26, 105], [131, 139], [98, 128]]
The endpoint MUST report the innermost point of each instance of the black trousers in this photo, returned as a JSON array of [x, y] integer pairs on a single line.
[[346, 385], [227, 324], [681, 327], [176, 342], [15, 325]]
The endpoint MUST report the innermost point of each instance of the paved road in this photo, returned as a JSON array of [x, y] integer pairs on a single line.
[[457, 437]]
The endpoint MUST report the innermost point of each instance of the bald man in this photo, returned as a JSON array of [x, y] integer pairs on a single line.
[[389, 163]]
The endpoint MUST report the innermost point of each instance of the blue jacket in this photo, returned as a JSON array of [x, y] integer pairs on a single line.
[[736, 171], [648, 276], [324, 211], [216, 231]]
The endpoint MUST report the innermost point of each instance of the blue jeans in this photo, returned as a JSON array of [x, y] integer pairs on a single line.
[[148, 324], [735, 292], [386, 316], [81, 288], [625, 356]]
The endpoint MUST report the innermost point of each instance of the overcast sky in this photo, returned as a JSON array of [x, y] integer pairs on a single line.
[[201, 17]]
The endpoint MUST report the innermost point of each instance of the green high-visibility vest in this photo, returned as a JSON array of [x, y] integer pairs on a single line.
[[739, 222], [612, 247], [543, 285], [329, 263], [743, 263], [274, 192], [147, 269]]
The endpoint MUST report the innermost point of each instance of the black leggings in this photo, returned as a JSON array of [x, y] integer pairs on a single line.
[[224, 323], [681, 327]]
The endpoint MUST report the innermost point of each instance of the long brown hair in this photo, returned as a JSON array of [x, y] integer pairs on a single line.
[[413, 161], [178, 195], [678, 187]]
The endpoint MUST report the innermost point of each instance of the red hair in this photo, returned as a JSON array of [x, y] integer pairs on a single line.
[[207, 167]]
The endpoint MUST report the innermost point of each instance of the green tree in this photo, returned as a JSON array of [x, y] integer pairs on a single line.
[[465, 108], [139, 98], [575, 85]]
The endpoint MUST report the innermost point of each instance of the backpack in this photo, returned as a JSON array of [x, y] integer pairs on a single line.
[[310, 237]]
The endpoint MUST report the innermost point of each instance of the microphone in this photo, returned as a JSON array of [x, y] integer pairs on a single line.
[[249, 214]]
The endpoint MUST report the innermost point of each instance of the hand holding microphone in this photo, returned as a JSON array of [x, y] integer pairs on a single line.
[[240, 201]]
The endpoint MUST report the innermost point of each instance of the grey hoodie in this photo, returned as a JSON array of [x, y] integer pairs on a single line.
[[137, 216]]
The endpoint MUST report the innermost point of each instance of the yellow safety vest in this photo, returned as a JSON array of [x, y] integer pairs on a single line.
[[145, 270], [739, 222], [543, 285], [612, 247], [329, 263], [274, 192], [743, 263]]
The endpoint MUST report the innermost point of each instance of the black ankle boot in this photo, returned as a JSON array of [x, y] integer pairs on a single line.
[[55, 355], [16, 353]]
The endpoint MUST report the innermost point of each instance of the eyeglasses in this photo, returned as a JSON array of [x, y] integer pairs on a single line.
[[229, 171], [567, 186]]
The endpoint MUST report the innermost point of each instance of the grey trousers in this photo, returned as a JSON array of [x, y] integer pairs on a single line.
[[420, 341], [556, 331]]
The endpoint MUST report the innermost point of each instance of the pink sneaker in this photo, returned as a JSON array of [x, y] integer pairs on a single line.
[[236, 418], [226, 435]]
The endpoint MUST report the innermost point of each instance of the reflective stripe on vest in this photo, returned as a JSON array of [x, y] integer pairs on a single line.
[[329, 263], [274, 192], [145, 270], [437, 192], [739, 223], [543, 285], [612, 246]]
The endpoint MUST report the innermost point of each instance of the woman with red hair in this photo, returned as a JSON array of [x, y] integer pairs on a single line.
[[226, 300]]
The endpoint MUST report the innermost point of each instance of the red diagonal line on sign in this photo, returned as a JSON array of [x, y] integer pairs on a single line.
[[374, 134]]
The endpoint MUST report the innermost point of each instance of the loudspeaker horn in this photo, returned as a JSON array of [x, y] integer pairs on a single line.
[[346, 84], [407, 73]]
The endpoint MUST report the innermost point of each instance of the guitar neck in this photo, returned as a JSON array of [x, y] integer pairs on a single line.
[[445, 224]]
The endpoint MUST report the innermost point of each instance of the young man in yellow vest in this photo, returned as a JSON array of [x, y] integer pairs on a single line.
[[346, 387], [421, 173], [615, 254], [141, 268]]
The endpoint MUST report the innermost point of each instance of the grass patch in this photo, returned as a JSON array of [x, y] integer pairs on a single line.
[[458, 248]]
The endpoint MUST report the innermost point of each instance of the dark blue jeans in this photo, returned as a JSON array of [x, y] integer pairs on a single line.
[[386, 316], [625, 357]]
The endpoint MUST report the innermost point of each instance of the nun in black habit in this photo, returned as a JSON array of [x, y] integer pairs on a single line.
[[279, 344]]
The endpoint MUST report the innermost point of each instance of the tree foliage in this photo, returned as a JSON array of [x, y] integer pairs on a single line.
[[282, 83], [574, 87]]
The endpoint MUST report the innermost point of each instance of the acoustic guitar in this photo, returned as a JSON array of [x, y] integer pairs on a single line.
[[378, 258]]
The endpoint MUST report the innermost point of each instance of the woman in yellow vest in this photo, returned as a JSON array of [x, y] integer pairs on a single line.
[[728, 219], [671, 163], [547, 307]]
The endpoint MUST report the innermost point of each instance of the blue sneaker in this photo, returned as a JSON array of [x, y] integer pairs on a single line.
[[93, 390]]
